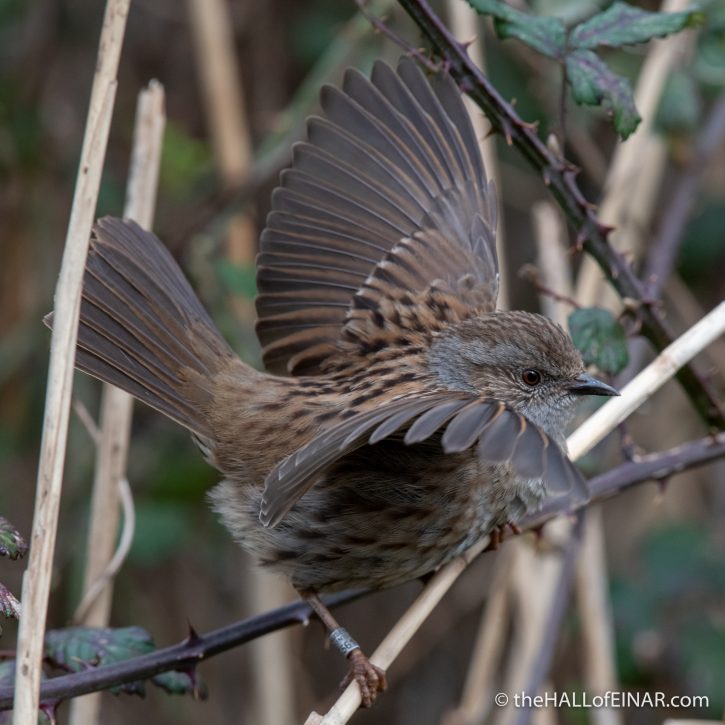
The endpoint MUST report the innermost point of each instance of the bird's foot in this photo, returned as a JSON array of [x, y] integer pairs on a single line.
[[499, 534], [370, 679]]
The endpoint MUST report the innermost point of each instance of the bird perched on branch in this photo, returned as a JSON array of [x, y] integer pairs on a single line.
[[402, 417]]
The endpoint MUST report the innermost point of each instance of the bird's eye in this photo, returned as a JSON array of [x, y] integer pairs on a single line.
[[531, 377]]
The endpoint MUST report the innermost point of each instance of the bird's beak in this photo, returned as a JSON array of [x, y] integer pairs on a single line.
[[585, 384]]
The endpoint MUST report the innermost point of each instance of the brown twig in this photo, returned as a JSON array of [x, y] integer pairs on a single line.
[[532, 275], [560, 177]]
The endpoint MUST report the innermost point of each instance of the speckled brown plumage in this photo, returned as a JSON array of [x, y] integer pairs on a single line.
[[402, 417]]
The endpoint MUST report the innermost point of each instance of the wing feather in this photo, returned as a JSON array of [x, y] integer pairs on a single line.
[[500, 434], [388, 195]]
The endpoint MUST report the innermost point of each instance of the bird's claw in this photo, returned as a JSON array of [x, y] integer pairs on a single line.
[[498, 534], [370, 679]]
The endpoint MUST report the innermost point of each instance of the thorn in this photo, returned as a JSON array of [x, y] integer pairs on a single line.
[[466, 44], [604, 229], [552, 143], [629, 449], [532, 126], [581, 237], [662, 488], [192, 637], [49, 710], [199, 690], [570, 172], [506, 128]]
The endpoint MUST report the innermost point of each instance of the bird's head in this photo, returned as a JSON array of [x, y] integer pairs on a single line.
[[523, 359]]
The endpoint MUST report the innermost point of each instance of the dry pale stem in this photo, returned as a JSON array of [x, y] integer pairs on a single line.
[[36, 581], [211, 28], [117, 406], [483, 668], [465, 25], [580, 442], [552, 259], [595, 615]]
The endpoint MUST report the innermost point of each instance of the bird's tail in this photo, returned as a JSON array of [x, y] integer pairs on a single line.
[[142, 327]]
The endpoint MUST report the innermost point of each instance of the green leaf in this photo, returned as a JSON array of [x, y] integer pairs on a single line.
[[9, 605], [546, 35], [12, 543], [77, 648], [593, 84], [181, 683], [622, 24], [599, 338]]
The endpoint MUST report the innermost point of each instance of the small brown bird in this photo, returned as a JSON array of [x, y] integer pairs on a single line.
[[402, 418]]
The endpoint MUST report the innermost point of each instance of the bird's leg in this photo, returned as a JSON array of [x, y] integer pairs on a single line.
[[370, 679]]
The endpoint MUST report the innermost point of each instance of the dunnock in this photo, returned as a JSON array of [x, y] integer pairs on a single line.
[[402, 418]]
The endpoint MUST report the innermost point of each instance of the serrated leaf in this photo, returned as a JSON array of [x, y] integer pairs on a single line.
[[12, 543], [181, 683], [77, 648], [594, 84], [622, 24], [9, 605], [546, 35], [599, 338]]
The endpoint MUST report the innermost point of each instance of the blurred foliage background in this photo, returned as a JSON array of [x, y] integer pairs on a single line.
[[665, 546]]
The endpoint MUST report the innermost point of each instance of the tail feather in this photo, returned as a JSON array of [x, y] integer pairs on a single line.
[[142, 327]]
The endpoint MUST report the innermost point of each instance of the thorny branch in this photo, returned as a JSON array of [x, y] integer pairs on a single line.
[[560, 176], [187, 654]]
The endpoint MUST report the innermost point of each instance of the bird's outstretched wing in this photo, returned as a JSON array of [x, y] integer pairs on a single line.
[[461, 419], [388, 195]]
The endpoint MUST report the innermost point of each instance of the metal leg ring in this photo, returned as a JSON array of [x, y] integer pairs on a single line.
[[341, 638]]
